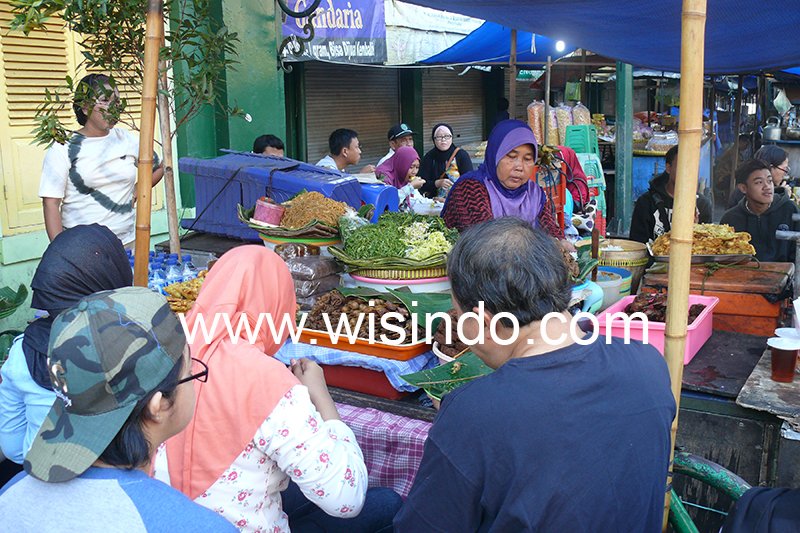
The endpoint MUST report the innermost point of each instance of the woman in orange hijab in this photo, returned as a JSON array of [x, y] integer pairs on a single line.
[[258, 424]]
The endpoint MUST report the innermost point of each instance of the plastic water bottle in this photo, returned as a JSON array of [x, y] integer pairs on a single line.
[[174, 274], [188, 272], [131, 261], [157, 280]]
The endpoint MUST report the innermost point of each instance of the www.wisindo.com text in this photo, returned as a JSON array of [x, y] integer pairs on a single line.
[[365, 327]]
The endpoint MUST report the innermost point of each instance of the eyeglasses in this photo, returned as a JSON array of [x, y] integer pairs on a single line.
[[785, 170], [443, 138], [201, 376]]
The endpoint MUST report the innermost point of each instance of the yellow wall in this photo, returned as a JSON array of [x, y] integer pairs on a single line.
[[29, 66]]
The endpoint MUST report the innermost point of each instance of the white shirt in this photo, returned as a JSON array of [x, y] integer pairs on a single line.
[[321, 457], [387, 156], [328, 162], [95, 178]]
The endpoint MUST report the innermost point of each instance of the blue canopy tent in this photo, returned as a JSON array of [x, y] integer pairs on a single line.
[[491, 43], [741, 36]]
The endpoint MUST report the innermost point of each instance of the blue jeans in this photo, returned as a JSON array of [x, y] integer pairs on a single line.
[[379, 509]]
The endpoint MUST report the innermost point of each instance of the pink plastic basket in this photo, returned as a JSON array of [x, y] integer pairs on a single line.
[[697, 333]]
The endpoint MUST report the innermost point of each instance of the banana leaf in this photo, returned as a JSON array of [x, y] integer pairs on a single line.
[[444, 378], [313, 230], [586, 263], [6, 340], [439, 260], [427, 303], [10, 300]]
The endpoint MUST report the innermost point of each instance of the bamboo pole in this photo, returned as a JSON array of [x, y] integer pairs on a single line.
[[690, 133], [169, 173], [154, 36], [512, 88]]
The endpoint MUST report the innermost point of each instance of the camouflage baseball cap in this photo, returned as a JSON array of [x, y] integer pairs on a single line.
[[106, 353]]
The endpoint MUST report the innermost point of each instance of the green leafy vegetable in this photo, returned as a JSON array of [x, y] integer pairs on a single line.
[[444, 378], [401, 235]]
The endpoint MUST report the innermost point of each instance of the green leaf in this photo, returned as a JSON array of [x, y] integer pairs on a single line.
[[10, 300], [444, 378]]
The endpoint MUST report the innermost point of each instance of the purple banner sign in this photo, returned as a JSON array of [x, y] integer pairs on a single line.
[[352, 31]]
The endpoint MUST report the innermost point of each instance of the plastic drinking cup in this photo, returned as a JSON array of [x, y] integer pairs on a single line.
[[784, 358]]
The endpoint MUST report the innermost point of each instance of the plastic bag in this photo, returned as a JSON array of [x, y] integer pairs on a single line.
[[536, 120], [572, 90], [552, 128], [307, 303], [662, 142], [306, 288], [313, 267], [348, 223], [291, 250], [581, 115], [563, 119]]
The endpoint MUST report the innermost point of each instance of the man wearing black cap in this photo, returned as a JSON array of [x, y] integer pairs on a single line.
[[399, 135]]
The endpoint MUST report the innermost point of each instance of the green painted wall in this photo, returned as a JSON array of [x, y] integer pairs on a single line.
[[411, 105], [296, 140], [255, 85]]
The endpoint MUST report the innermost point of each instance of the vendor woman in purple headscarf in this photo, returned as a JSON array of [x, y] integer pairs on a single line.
[[501, 186]]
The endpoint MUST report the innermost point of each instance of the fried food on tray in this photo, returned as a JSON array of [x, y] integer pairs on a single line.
[[181, 296], [711, 239], [309, 206]]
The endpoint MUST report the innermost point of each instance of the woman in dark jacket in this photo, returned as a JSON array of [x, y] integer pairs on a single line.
[[445, 154]]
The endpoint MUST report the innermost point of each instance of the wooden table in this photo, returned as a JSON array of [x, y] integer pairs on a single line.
[[751, 296], [763, 394]]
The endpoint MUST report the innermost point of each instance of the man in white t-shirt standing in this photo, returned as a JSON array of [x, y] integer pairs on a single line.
[[92, 178]]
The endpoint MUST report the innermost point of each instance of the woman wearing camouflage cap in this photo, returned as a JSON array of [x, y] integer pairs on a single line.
[[123, 379], [80, 261]]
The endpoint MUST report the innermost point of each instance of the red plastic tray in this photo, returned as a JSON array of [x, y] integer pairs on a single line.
[[387, 351], [359, 379]]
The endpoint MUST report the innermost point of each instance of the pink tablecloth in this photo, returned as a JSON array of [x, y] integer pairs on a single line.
[[392, 445]]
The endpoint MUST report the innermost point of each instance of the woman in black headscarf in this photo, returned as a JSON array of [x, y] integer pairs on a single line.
[[443, 159], [80, 261]]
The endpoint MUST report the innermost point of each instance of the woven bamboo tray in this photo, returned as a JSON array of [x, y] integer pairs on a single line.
[[401, 274]]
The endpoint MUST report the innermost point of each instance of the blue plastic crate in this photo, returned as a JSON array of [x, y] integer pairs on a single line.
[[242, 178]]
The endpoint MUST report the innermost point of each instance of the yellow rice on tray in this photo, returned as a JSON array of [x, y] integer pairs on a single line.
[[711, 239]]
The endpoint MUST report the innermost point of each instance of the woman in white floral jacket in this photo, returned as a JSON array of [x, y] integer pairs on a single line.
[[257, 424]]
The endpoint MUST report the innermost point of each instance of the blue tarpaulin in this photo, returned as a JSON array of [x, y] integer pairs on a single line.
[[491, 43], [741, 35]]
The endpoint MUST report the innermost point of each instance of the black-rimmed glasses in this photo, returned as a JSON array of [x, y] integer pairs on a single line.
[[201, 376], [785, 170]]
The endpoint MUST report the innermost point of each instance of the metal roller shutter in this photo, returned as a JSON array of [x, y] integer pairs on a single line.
[[456, 100], [364, 99]]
